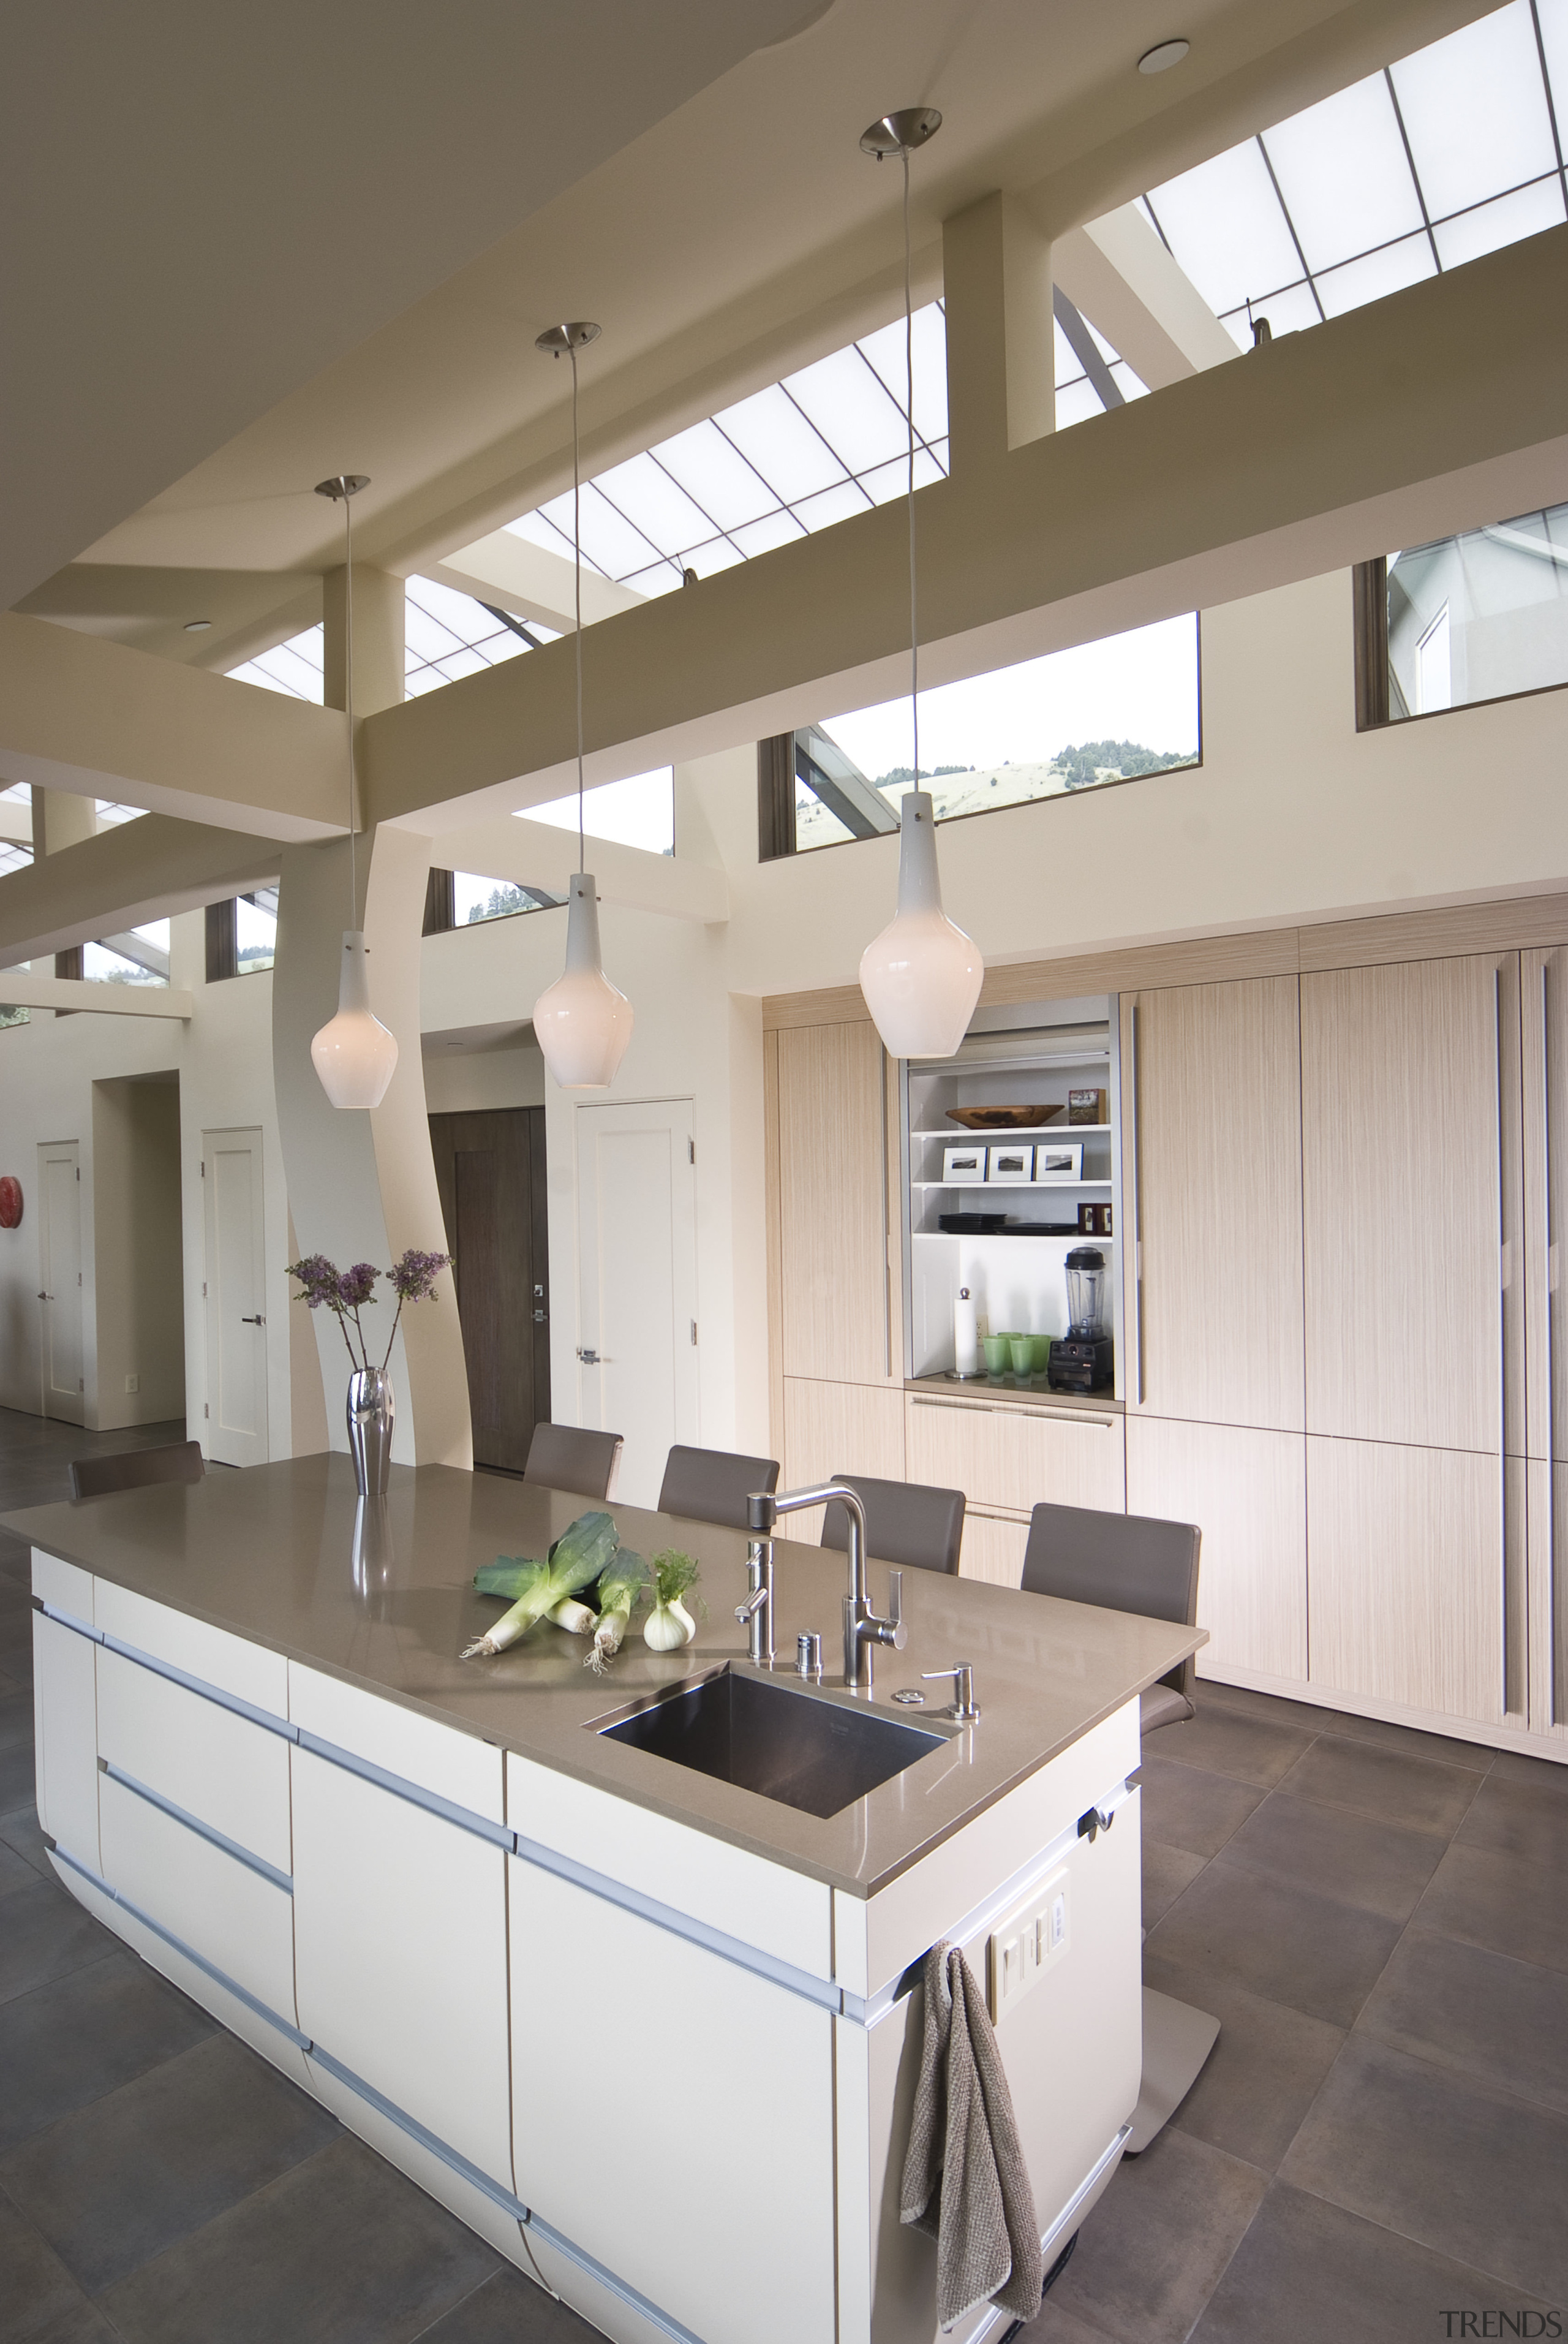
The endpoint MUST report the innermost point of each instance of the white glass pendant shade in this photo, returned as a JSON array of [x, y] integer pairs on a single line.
[[354, 1053], [582, 1022], [921, 977]]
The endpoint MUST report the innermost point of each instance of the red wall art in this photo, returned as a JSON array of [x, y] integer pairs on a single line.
[[10, 1202]]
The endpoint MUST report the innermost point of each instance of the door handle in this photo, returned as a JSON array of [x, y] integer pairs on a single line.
[[45, 1297], [539, 1318], [590, 1359], [257, 1321]]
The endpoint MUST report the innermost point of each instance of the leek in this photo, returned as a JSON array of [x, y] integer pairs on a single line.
[[621, 1583], [541, 1589]]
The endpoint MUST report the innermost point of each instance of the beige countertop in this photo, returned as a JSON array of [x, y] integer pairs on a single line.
[[269, 1554]]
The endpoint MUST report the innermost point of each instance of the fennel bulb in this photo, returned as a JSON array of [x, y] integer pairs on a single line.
[[670, 1624]]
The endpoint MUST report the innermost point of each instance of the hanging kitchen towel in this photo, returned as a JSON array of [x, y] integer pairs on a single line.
[[965, 2181]]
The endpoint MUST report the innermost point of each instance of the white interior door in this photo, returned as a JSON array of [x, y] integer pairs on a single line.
[[60, 1275], [236, 1290], [637, 1284]]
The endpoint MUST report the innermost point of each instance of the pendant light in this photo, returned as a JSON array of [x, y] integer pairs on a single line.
[[921, 977], [354, 1053], [582, 1022]]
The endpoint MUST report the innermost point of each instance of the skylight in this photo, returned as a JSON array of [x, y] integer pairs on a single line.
[[1449, 154], [445, 635]]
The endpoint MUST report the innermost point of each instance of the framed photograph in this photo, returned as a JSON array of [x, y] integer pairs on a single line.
[[1059, 1162], [1012, 1163], [963, 1165]]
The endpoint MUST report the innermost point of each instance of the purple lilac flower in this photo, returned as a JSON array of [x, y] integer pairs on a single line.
[[319, 1280], [357, 1285], [413, 1277]]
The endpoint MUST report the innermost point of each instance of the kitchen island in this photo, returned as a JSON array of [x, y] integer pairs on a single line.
[[651, 2034]]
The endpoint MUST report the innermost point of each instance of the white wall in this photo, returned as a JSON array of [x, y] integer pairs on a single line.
[[459, 1081], [138, 1287]]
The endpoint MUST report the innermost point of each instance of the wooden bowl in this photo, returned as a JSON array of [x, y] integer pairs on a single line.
[[1001, 1118]]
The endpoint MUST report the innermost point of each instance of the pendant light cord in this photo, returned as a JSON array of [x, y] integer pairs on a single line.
[[577, 589], [348, 691], [909, 404]]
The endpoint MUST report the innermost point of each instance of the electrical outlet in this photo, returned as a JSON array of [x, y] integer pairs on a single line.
[[1025, 1943], [133, 1383]]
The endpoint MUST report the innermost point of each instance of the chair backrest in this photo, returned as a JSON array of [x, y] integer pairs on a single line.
[[571, 1457], [136, 1468], [712, 1485], [908, 1523], [1125, 1563]]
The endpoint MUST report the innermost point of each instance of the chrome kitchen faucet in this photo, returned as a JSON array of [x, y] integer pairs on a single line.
[[862, 1628]]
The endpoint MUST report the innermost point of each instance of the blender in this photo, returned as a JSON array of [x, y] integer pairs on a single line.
[[1085, 1360]]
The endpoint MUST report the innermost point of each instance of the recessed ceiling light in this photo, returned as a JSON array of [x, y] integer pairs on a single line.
[[197, 626], [1161, 58]]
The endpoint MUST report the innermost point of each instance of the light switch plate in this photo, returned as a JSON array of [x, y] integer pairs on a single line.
[[1026, 1941]]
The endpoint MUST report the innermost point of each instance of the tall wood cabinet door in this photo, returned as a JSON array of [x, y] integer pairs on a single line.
[[1405, 1586], [1211, 1124], [837, 1304], [1247, 1491], [1413, 1202], [838, 1429]]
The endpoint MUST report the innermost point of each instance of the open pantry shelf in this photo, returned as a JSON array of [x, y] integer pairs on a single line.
[[995, 1187], [955, 1134]]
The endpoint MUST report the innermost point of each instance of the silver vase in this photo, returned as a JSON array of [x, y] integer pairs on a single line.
[[370, 1411]]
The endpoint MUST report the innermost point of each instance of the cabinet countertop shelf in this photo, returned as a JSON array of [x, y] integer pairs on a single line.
[[1023, 1133], [994, 1185]]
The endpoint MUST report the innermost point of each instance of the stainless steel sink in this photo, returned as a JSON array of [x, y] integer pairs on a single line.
[[808, 1753]]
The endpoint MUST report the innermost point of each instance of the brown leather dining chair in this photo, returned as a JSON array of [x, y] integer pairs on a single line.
[[909, 1524], [712, 1485], [572, 1457], [136, 1468]]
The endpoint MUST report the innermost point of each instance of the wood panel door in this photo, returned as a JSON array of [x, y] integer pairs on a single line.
[[836, 1298], [1412, 1200], [490, 1171], [1405, 1589], [1245, 1487], [1211, 1122]]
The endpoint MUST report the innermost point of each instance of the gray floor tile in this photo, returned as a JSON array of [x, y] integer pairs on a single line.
[[1314, 2274], [1153, 2248], [1352, 1858], [1229, 1742], [1273, 1708], [40, 2302], [1288, 1945], [1185, 1807], [16, 1872], [1451, 2163], [46, 1934], [1528, 1819], [1053, 2324], [20, 1832], [1386, 1783], [83, 2035], [1262, 2075], [1502, 2020], [1514, 1766], [1167, 1871], [117, 2182], [16, 1720], [16, 1786], [342, 2250], [1487, 1899], [511, 2310], [1446, 1749]]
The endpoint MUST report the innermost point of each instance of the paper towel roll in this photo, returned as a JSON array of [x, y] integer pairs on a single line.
[[966, 1339]]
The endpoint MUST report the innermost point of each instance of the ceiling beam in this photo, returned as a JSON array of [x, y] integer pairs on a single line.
[[519, 576], [1438, 409], [137, 872], [538, 855], [25, 990], [1123, 279], [97, 719]]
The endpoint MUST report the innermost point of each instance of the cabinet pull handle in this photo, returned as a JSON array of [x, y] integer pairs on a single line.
[[1504, 1266], [1136, 1282], [1556, 1703], [990, 1408]]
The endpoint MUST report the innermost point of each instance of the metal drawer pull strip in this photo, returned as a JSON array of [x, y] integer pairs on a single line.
[[452, 2159], [231, 1847]]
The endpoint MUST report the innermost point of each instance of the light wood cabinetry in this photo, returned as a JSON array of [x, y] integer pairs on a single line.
[[1213, 1186], [838, 1429], [993, 1547], [1406, 1575], [1010, 1458], [1246, 1489], [1413, 1195], [836, 1299]]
